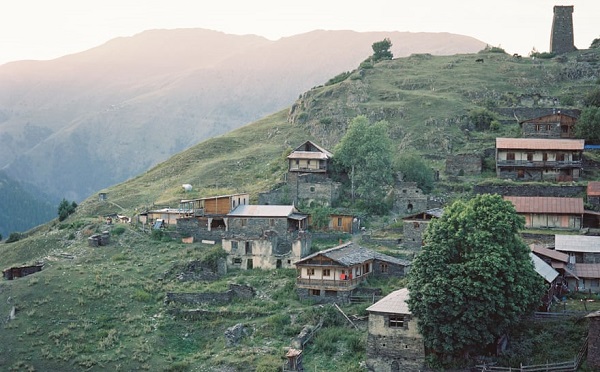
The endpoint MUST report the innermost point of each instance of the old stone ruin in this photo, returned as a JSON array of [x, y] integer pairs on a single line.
[[97, 240]]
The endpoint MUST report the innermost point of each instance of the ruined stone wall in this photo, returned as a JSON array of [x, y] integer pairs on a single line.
[[391, 269], [464, 164], [193, 227], [561, 40], [408, 198], [532, 190]]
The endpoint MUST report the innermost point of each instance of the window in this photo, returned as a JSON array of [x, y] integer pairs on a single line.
[[326, 272], [244, 222], [510, 156], [248, 247], [545, 156], [315, 292], [383, 268], [249, 264], [237, 261], [367, 268], [339, 221], [312, 189], [560, 157], [529, 156], [234, 246], [310, 271], [520, 173], [396, 321], [271, 222], [416, 225]]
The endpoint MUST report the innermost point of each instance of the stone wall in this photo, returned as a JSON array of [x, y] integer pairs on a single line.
[[192, 227], [413, 233], [408, 198], [464, 164], [550, 131], [340, 297], [593, 355], [389, 349], [532, 190]]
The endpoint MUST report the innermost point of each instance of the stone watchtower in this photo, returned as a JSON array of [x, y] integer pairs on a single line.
[[561, 40]]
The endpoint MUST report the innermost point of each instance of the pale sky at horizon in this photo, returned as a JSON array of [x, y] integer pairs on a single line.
[[38, 29]]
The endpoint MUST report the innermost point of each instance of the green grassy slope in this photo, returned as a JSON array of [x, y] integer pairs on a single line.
[[102, 308]]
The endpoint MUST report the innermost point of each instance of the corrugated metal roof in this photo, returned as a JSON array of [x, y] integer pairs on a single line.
[[550, 253], [589, 271], [543, 204], [546, 271], [394, 303], [539, 144], [349, 254], [262, 211], [577, 243], [593, 188]]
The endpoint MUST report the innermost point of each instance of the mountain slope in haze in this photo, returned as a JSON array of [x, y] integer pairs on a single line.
[[77, 124]]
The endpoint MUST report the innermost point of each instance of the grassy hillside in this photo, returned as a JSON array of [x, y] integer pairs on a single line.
[[102, 308]]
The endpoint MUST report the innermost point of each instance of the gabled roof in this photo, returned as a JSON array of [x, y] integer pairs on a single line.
[[265, 211], [558, 114], [539, 144], [543, 269], [349, 254], [543, 204], [593, 188], [394, 303], [301, 153], [550, 253], [577, 243]]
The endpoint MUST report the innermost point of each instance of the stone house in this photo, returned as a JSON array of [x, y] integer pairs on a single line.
[[415, 225], [307, 180], [555, 125], [549, 212], [265, 236], [539, 159], [408, 198], [394, 343], [333, 274]]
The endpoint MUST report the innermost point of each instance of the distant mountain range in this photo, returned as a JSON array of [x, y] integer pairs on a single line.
[[80, 123]]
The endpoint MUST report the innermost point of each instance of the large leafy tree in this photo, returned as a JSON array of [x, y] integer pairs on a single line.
[[415, 169], [365, 154], [588, 124], [473, 279]]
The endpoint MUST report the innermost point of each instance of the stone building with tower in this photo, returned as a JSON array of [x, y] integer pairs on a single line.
[[561, 38]]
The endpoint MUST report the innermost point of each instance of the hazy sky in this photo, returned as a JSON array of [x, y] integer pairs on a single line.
[[44, 29]]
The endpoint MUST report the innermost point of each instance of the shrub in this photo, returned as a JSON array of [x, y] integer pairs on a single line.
[[157, 234], [119, 230], [65, 209], [13, 237], [492, 49]]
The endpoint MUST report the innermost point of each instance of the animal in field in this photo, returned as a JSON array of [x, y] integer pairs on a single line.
[[480, 60]]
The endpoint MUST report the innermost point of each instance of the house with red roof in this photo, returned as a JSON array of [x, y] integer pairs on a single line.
[[539, 159], [549, 212]]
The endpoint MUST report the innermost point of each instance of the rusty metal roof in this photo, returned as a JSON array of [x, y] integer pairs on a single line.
[[263, 211], [587, 270], [550, 253], [539, 144], [593, 188], [394, 303], [303, 154], [543, 204]]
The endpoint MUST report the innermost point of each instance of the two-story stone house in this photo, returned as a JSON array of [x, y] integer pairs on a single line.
[[265, 236], [539, 159], [559, 124]]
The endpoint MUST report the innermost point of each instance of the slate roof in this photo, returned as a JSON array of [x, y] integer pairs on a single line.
[[543, 204], [577, 243], [550, 253], [349, 254], [428, 214], [264, 211], [539, 144], [394, 303], [593, 188]]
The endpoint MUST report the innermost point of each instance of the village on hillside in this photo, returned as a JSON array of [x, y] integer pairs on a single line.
[[562, 229]]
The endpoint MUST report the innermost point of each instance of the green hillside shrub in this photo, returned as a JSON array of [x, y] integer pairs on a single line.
[[13, 237]]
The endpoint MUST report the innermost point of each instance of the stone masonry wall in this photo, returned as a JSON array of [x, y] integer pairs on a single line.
[[463, 164], [562, 30]]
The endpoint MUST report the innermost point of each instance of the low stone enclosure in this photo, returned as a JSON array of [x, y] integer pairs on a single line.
[[18, 272], [235, 291]]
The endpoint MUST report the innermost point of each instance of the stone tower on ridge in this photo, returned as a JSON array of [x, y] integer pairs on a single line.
[[561, 40]]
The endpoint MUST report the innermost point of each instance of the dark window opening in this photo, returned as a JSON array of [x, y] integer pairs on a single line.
[[248, 247], [249, 264], [278, 264], [396, 321]]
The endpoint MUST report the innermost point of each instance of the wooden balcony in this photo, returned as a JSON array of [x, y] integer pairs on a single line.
[[539, 164], [331, 283]]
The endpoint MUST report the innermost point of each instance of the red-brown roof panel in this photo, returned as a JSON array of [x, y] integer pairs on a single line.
[[543, 204], [539, 144]]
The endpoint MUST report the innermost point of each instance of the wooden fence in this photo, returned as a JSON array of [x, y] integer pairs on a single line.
[[570, 366]]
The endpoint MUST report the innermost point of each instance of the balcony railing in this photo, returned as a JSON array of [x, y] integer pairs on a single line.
[[337, 283], [539, 164]]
